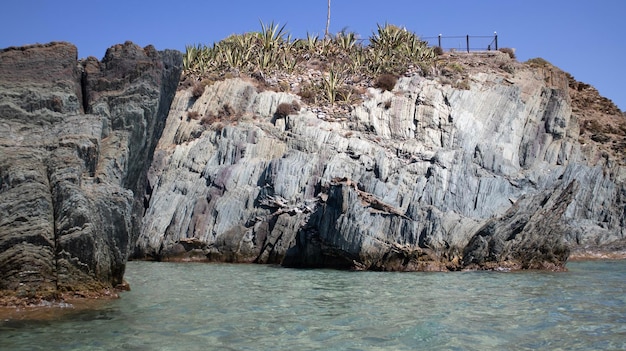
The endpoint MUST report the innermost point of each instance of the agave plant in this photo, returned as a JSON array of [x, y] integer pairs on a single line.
[[311, 41], [268, 60], [345, 40], [271, 36], [288, 62], [235, 51], [357, 60], [189, 57], [192, 58], [393, 48], [346, 95], [306, 48], [388, 37], [211, 58], [232, 57], [374, 61], [418, 50], [331, 83]]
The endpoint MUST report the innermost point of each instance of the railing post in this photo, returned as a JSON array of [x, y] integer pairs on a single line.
[[440, 41], [495, 34], [467, 42]]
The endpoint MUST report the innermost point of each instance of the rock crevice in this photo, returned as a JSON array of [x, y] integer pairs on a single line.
[[77, 139]]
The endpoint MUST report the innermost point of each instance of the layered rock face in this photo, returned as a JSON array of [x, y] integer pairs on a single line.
[[76, 141], [426, 177]]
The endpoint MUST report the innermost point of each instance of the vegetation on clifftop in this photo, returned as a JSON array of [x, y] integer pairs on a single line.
[[390, 49], [334, 72], [336, 62]]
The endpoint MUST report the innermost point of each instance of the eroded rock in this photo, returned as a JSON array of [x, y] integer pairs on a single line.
[[428, 171], [76, 141]]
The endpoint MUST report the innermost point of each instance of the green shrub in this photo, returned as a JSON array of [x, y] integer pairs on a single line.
[[456, 67], [226, 113], [592, 126], [600, 138]]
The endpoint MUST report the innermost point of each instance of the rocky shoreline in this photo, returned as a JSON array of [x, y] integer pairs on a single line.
[[76, 139], [105, 161]]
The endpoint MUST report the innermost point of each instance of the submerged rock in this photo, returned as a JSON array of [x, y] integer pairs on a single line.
[[76, 140]]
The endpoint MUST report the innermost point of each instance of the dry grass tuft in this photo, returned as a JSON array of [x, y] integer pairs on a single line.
[[508, 51], [197, 90], [285, 109], [193, 115], [386, 82]]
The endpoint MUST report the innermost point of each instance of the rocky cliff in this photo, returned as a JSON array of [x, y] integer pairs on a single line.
[[486, 164], [491, 173], [76, 141]]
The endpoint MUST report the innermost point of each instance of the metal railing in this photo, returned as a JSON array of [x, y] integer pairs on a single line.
[[463, 42]]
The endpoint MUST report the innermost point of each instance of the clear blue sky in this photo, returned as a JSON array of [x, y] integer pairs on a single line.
[[583, 37]]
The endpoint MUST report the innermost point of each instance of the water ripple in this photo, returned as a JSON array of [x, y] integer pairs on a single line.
[[251, 307]]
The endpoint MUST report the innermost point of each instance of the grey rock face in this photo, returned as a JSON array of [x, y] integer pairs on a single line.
[[426, 177], [527, 236], [76, 141]]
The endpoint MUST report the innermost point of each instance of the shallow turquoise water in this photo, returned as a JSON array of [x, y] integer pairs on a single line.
[[252, 307]]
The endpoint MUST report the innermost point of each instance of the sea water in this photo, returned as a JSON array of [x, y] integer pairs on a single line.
[[189, 306]]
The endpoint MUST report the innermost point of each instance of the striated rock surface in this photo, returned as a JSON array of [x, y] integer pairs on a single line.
[[426, 177], [76, 141], [102, 159]]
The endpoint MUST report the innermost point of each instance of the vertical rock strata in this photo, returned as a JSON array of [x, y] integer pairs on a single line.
[[426, 177], [76, 140], [102, 159]]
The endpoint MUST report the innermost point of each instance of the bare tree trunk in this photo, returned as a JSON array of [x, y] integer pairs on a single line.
[[326, 34]]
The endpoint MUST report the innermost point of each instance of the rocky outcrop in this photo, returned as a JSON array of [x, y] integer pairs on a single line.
[[426, 177], [76, 141], [101, 159], [528, 236]]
